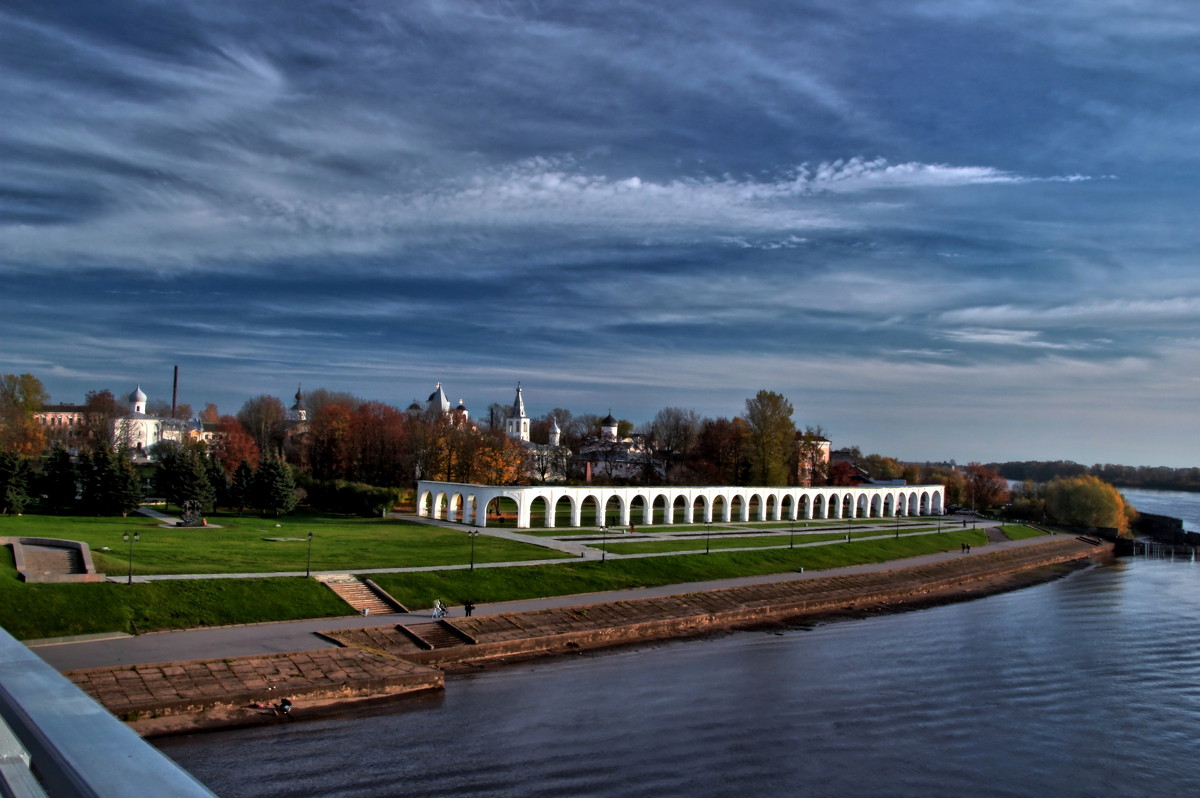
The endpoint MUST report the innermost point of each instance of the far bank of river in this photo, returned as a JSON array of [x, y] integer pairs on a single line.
[[1175, 503]]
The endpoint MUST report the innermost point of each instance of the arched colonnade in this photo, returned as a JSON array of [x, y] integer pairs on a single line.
[[599, 506]]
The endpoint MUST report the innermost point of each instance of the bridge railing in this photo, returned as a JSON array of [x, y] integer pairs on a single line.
[[72, 744]]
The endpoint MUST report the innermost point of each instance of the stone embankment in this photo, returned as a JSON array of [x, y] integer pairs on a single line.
[[381, 662]]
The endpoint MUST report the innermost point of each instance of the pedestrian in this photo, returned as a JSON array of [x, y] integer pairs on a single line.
[[468, 607]]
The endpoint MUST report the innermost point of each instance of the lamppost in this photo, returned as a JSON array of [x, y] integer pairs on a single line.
[[792, 537], [604, 543], [472, 534], [897, 523], [131, 540], [707, 537], [308, 564]]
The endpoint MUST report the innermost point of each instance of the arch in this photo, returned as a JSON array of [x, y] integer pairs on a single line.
[[615, 513], [539, 508], [660, 512], [563, 505], [680, 511], [848, 505]]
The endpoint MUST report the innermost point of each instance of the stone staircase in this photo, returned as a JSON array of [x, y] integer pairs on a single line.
[[436, 634], [361, 597], [52, 560]]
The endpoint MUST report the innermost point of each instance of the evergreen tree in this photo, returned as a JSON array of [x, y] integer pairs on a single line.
[[60, 480], [111, 485], [14, 482], [241, 492], [96, 469], [126, 494], [274, 488], [219, 481]]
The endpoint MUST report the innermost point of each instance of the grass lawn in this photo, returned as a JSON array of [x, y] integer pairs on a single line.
[[693, 543], [1020, 532], [507, 584], [243, 545], [30, 611]]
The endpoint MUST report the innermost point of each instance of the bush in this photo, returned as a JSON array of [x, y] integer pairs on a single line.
[[351, 498]]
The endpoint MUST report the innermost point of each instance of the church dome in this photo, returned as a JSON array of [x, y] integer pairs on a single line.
[[137, 396]]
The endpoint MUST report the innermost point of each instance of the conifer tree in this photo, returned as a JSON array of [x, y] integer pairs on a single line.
[[274, 487], [60, 480], [241, 492], [14, 482]]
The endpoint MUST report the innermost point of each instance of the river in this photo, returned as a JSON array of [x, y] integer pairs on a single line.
[[1087, 685]]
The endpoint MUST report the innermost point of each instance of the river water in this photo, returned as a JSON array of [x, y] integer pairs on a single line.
[[1088, 685]]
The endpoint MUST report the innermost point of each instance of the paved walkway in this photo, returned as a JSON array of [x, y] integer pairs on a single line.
[[292, 636]]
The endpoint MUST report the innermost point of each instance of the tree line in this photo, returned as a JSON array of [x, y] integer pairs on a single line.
[[1121, 476]]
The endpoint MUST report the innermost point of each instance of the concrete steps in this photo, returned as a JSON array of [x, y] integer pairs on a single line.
[[52, 560], [436, 634], [360, 596]]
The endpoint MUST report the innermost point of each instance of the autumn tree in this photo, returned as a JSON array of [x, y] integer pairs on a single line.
[[673, 432], [985, 487], [97, 420], [21, 396], [380, 434], [720, 456], [772, 435], [329, 442], [263, 417], [812, 457], [1087, 501], [233, 445]]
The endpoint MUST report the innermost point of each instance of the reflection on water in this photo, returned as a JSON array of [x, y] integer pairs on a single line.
[[1089, 685]]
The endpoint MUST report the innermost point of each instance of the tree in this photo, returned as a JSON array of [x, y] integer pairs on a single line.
[[274, 488], [263, 417], [14, 482], [674, 432], [209, 413], [182, 475], [330, 443], [111, 486], [60, 480], [232, 445], [1087, 501], [720, 455], [985, 487], [812, 457], [380, 435], [772, 434], [241, 489], [99, 414], [21, 396]]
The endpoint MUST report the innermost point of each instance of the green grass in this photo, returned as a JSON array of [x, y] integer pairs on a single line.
[[30, 611], [748, 541], [1020, 532], [241, 545], [507, 584]]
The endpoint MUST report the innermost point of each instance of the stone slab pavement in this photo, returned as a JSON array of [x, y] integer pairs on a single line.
[[293, 636]]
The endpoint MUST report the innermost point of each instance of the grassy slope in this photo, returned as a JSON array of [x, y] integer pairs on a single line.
[[496, 584], [241, 545]]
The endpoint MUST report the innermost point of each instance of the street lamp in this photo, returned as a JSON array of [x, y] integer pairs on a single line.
[[897, 523], [472, 534], [131, 540], [604, 543], [792, 537], [308, 565], [707, 537]]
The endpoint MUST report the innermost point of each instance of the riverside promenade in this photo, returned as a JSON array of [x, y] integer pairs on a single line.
[[176, 681]]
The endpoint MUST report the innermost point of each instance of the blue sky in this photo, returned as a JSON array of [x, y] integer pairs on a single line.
[[943, 229]]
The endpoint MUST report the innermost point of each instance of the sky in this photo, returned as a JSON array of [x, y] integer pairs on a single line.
[[943, 229]]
